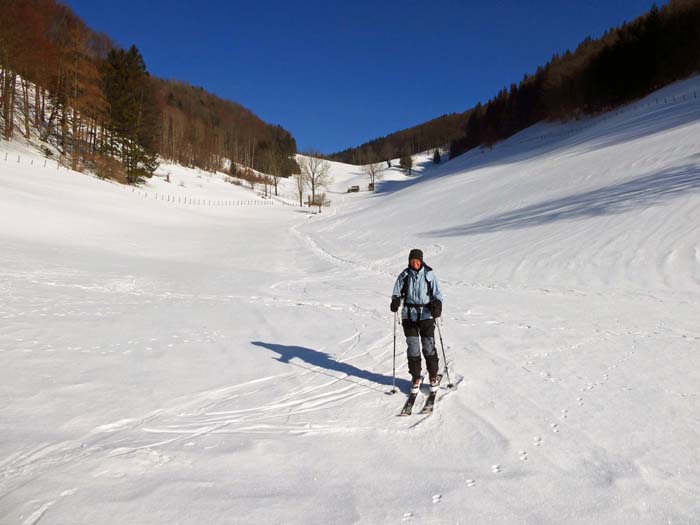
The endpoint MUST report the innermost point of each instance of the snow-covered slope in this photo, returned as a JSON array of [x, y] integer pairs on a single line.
[[170, 362]]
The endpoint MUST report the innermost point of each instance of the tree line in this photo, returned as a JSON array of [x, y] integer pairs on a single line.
[[409, 141], [99, 106], [626, 63], [202, 130]]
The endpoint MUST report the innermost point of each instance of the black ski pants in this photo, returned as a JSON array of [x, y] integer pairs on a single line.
[[420, 335]]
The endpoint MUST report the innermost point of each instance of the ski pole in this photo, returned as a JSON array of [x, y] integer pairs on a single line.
[[442, 345], [393, 377]]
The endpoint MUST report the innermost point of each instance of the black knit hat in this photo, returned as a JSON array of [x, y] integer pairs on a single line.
[[415, 254]]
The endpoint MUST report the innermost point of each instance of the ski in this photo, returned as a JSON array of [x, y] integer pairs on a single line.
[[408, 405], [430, 400], [429, 403]]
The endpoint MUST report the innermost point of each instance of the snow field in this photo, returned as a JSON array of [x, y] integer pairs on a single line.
[[170, 363]]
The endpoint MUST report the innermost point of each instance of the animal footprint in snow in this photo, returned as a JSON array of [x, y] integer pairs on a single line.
[[537, 441], [555, 427], [437, 498], [564, 414], [470, 483], [579, 401], [523, 455], [496, 469], [407, 516]]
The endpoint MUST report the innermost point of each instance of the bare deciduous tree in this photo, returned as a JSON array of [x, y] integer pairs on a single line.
[[315, 170], [300, 185], [374, 171]]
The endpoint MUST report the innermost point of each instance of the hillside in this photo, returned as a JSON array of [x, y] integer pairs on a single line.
[[168, 362], [92, 102], [619, 67]]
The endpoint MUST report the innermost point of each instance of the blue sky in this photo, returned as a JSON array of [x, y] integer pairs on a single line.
[[337, 74]]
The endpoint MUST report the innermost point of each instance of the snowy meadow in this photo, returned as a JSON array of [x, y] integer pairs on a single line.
[[167, 362]]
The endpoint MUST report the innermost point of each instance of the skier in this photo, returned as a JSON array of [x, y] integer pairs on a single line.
[[422, 304]]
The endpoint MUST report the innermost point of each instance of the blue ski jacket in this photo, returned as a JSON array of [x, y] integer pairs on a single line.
[[417, 289]]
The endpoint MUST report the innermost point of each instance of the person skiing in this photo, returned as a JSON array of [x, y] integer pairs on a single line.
[[422, 304]]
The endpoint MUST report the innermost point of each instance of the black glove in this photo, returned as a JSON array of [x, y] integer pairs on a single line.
[[395, 303], [436, 308]]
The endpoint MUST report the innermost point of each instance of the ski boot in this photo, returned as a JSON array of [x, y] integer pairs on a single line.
[[435, 382]]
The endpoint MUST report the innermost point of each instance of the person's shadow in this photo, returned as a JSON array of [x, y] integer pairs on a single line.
[[324, 361]]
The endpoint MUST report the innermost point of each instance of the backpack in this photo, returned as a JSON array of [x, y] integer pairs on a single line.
[[404, 288]]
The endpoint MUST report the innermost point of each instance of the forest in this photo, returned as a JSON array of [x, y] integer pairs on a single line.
[[624, 64], [98, 105]]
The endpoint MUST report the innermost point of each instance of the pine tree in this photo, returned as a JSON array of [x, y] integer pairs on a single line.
[[406, 163], [436, 157], [133, 116]]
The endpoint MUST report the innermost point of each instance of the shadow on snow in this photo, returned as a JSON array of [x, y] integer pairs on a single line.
[[593, 133], [326, 363], [620, 198]]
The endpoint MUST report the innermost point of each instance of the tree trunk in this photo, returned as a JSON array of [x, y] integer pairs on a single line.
[[64, 130], [27, 120], [8, 102], [49, 125], [75, 142], [2, 90], [37, 113], [42, 117]]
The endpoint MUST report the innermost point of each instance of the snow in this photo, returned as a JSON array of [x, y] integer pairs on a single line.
[[164, 362]]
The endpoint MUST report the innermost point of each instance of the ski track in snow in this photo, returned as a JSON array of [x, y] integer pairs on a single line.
[[561, 342], [206, 414], [555, 427]]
